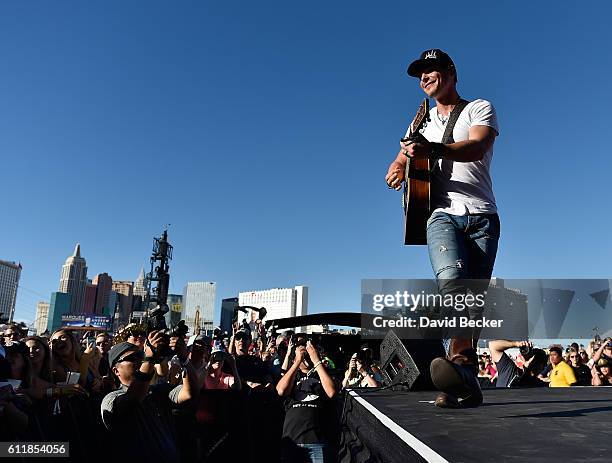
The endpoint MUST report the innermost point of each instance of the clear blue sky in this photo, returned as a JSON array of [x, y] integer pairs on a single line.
[[262, 132]]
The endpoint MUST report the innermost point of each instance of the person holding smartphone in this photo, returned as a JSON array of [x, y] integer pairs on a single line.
[[308, 390], [359, 373], [215, 378]]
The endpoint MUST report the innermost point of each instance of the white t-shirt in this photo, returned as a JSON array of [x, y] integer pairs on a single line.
[[462, 188]]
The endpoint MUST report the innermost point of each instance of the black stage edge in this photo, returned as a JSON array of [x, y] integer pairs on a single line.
[[526, 425]]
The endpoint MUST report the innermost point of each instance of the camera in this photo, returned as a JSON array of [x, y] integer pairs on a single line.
[[179, 330], [526, 352], [298, 340], [156, 320]]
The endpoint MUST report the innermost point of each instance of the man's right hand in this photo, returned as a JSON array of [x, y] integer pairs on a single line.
[[520, 344], [395, 176], [299, 355], [154, 341]]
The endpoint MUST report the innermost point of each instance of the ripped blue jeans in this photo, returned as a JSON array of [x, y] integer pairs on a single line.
[[462, 247]]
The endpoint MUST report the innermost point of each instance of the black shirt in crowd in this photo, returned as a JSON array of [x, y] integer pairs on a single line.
[[251, 368], [307, 411], [509, 375], [583, 375], [142, 430]]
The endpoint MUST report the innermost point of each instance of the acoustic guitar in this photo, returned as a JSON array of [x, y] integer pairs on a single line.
[[416, 196]]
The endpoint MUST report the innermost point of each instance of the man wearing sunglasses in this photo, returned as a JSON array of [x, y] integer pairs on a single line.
[[138, 416], [12, 334], [138, 337], [581, 371], [103, 344]]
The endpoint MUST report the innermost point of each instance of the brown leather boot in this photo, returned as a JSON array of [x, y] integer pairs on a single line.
[[456, 376], [444, 400]]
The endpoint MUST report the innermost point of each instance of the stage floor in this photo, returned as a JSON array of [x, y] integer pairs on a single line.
[[531, 425]]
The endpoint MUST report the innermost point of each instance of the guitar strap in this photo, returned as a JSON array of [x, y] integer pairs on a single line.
[[447, 138]]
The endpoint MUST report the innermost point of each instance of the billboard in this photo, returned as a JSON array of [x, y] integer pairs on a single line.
[[86, 320]]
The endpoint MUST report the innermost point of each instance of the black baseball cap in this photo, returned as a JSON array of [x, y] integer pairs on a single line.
[[118, 350], [432, 57]]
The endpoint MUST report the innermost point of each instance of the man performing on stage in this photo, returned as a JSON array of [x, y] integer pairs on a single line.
[[463, 229]]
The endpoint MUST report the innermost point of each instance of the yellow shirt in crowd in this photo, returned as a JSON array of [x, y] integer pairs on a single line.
[[562, 375]]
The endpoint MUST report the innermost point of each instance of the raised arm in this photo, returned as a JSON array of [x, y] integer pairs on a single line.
[[285, 385], [597, 354], [285, 365], [499, 346], [326, 381], [137, 390], [349, 373], [190, 389]]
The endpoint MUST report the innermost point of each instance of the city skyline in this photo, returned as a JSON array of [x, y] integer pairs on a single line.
[[127, 289], [103, 285]]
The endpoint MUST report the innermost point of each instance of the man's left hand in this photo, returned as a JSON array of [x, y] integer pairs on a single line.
[[419, 149], [312, 352], [179, 347]]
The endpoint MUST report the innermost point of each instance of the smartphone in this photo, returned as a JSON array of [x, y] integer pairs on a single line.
[[16, 383], [73, 377]]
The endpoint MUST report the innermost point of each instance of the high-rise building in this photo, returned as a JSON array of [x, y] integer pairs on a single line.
[[175, 304], [199, 305], [125, 294], [9, 282], [279, 302], [74, 280], [60, 304], [104, 285], [137, 304], [42, 317], [140, 287], [227, 313], [111, 306], [90, 298]]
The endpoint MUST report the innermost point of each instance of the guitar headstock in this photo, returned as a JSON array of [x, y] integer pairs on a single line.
[[421, 118]]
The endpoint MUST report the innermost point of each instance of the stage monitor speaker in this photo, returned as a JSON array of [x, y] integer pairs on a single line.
[[405, 364]]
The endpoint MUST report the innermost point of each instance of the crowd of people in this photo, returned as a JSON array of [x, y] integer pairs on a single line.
[[170, 398], [576, 365], [249, 395]]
